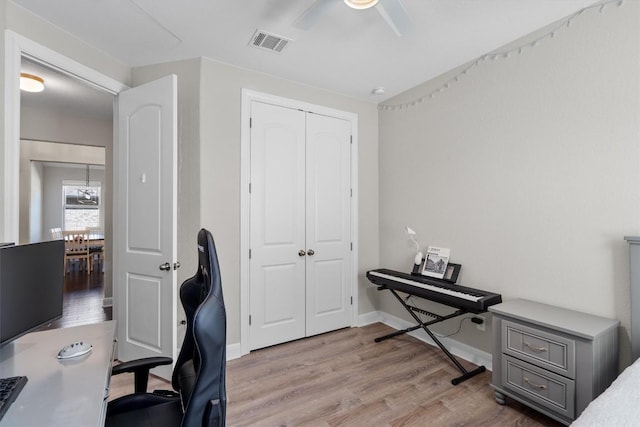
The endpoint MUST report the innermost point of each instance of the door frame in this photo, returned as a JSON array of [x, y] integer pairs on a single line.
[[249, 96], [17, 46]]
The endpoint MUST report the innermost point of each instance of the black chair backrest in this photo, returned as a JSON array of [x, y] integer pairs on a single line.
[[203, 351]]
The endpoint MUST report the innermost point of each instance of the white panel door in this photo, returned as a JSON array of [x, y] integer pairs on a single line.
[[277, 267], [328, 214], [145, 206], [300, 263]]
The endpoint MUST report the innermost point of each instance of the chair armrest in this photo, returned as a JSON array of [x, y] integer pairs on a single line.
[[139, 364], [140, 369]]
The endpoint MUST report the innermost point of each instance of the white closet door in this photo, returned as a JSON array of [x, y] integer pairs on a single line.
[[328, 213], [277, 272]]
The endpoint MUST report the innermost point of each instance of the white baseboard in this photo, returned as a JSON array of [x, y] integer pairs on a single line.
[[464, 351], [369, 318], [233, 351]]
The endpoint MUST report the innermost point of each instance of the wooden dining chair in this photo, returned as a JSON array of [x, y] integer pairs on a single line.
[[76, 245], [96, 247], [56, 233]]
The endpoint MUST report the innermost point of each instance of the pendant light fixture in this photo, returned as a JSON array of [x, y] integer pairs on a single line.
[[87, 196], [361, 4], [31, 83]]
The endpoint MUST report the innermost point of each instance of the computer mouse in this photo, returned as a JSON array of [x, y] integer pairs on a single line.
[[74, 350]]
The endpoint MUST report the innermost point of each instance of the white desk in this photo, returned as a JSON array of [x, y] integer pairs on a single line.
[[70, 392]]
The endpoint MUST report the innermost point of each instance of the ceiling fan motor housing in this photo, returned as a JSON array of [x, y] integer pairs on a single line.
[[361, 4]]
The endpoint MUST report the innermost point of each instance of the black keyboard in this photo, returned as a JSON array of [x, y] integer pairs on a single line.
[[10, 388], [462, 297]]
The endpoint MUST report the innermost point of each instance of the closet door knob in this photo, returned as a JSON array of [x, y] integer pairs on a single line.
[[301, 252], [310, 252]]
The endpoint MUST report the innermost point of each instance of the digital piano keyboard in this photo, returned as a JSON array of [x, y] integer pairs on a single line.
[[461, 297]]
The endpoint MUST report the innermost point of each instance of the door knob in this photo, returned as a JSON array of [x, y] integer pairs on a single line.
[[310, 252], [165, 267], [301, 252]]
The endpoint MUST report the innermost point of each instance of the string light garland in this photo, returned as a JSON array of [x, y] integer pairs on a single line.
[[518, 50]]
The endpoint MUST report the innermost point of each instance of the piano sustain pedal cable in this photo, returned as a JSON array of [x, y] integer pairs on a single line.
[[456, 331]]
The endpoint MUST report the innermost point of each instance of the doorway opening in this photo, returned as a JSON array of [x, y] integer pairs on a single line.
[[66, 137]]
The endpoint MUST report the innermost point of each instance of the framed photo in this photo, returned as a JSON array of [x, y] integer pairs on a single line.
[[451, 272], [435, 263]]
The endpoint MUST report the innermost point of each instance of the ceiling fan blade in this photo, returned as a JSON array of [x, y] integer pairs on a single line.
[[395, 14], [312, 15]]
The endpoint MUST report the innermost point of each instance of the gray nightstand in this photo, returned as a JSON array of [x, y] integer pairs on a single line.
[[552, 359]]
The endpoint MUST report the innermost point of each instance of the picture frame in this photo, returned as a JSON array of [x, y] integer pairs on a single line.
[[435, 263]]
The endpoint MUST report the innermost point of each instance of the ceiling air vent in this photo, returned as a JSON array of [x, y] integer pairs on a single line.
[[274, 43]]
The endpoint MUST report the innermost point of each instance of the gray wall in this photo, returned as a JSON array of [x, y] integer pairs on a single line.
[[3, 26], [36, 202], [48, 124], [527, 169]]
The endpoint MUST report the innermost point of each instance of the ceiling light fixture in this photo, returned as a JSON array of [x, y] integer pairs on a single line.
[[88, 195], [31, 83], [361, 4]]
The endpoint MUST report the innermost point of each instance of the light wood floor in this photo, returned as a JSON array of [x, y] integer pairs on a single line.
[[344, 378]]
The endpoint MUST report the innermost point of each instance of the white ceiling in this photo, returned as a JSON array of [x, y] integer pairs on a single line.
[[348, 51]]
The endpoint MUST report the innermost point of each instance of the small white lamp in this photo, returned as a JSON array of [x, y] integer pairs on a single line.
[[411, 233]]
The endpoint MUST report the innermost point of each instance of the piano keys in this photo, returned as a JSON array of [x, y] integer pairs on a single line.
[[461, 297]]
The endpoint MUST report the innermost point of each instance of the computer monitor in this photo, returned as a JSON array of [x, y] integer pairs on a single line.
[[31, 287]]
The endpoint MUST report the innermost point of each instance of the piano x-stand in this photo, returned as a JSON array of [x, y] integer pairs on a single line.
[[466, 300]]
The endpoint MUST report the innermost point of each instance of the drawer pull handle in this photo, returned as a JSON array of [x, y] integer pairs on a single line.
[[534, 385], [538, 349]]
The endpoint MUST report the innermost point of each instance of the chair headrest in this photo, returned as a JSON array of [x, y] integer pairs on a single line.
[[208, 262]]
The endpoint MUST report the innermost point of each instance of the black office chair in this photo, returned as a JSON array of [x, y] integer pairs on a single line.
[[198, 377]]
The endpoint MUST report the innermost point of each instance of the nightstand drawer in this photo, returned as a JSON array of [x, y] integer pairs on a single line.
[[550, 351], [545, 388]]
